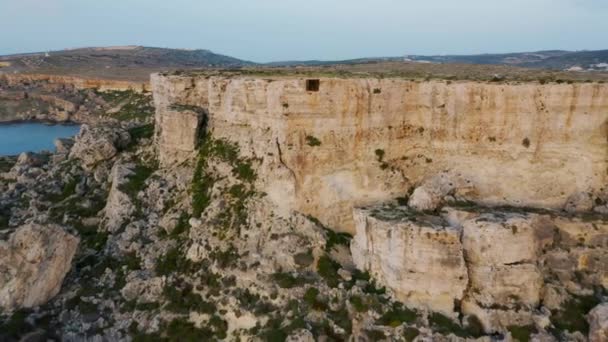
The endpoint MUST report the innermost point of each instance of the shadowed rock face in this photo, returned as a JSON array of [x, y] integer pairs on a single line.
[[360, 141], [34, 262]]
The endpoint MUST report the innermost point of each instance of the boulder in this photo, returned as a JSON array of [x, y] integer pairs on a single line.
[[419, 257], [580, 202], [33, 264], [598, 323], [431, 194], [96, 144]]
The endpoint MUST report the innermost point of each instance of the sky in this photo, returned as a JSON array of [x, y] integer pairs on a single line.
[[275, 30]]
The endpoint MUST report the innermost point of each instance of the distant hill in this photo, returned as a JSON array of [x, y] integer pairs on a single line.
[[117, 62], [555, 60], [137, 62]]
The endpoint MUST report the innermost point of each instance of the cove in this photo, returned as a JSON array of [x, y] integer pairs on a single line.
[[16, 138]]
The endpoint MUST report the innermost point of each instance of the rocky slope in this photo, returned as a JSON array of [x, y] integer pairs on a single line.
[[60, 98], [231, 218]]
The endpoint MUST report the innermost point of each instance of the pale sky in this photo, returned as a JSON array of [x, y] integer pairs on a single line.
[[273, 30]]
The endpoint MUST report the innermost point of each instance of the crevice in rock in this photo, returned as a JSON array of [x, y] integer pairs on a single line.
[[280, 153]]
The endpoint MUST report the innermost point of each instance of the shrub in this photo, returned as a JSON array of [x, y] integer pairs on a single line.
[[312, 141], [328, 270]]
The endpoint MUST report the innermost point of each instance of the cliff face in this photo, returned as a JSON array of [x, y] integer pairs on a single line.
[[76, 82], [64, 98], [360, 141]]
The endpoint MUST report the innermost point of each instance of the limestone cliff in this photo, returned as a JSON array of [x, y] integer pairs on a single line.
[[324, 146]]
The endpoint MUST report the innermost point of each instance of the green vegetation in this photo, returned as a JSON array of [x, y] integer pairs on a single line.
[[410, 334], [328, 270], [184, 300], [15, 326], [311, 297], [572, 316], [235, 215], [522, 333], [332, 238], [288, 280], [140, 132], [7, 163], [174, 261], [380, 155], [132, 105], [312, 141], [68, 190], [358, 303], [445, 325], [380, 158], [397, 315], [136, 181]]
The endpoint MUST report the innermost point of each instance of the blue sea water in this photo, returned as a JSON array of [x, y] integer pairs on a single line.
[[32, 137]]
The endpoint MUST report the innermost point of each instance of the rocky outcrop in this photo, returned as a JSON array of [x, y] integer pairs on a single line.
[[33, 263], [420, 258], [354, 142], [119, 206], [76, 82], [502, 252], [494, 263], [97, 144], [598, 323], [432, 193], [180, 131]]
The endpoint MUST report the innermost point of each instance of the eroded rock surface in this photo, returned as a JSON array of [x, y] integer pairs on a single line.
[[420, 259], [97, 144], [34, 262], [598, 323], [512, 261], [356, 142]]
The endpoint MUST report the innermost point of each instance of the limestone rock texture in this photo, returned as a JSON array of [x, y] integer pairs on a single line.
[[499, 265], [598, 322], [33, 264], [97, 144], [360, 141], [119, 205], [419, 258]]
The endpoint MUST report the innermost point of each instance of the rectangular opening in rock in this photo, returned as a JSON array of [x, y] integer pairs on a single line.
[[312, 85]]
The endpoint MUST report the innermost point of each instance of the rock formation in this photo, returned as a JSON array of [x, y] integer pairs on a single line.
[[360, 141], [598, 320], [96, 144], [34, 262], [420, 259]]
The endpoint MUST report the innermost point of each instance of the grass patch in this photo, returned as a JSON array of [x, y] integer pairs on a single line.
[[410, 334], [572, 316], [397, 315], [136, 181], [288, 280], [312, 141], [184, 300], [134, 105], [445, 326], [522, 333]]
